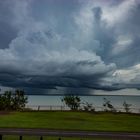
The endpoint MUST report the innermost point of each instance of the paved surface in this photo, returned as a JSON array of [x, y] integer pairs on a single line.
[[68, 133]]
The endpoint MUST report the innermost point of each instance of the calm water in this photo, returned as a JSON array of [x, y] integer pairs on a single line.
[[117, 101]]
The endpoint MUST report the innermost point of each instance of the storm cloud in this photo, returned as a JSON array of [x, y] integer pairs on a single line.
[[71, 45]]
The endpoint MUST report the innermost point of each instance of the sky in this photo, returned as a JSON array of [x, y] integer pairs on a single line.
[[70, 46]]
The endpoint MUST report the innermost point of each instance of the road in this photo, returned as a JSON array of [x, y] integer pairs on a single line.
[[68, 133]]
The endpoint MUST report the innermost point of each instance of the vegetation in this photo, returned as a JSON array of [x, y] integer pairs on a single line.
[[126, 107], [72, 120], [88, 107], [108, 106], [13, 101], [72, 101]]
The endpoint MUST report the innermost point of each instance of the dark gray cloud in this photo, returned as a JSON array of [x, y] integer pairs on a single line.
[[73, 46], [7, 32]]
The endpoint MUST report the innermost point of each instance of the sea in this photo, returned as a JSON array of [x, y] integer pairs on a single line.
[[96, 100]]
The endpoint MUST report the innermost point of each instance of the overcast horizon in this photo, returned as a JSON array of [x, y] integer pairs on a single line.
[[70, 47]]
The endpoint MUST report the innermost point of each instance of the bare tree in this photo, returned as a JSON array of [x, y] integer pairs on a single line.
[[126, 107], [108, 106]]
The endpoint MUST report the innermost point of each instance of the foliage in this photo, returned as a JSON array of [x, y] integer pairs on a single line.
[[108, 106], [13, 101], [88, 107], [72, 101], [126, 107]]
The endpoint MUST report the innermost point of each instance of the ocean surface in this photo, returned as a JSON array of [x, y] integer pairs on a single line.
[[117, 101]]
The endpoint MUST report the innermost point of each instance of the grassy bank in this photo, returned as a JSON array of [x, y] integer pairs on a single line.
[[72, 120]]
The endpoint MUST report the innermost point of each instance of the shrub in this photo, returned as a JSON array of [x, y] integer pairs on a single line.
[[72, 101], [13, 101]]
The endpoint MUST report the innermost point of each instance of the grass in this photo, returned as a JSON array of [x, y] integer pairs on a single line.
[[72, 120]]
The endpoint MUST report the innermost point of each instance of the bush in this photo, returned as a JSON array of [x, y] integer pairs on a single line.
[[126, 107], [88, 107], [72, 101], [13, 101], [108, 106]]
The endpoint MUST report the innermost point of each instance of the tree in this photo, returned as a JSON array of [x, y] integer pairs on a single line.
[[13, 101], [108, 106], [19, 100], [126, 107], [7, 100], [72, 101], [88, 107], [1, 102]]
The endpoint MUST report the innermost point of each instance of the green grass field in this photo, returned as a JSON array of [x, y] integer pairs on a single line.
[[72, 120]]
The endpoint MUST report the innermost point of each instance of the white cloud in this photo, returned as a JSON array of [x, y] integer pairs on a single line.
[[39, 50], [116, 14], [36, 53], [123, 43], [129, 75]]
